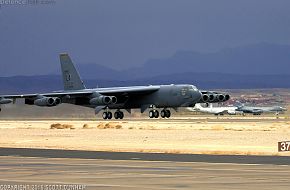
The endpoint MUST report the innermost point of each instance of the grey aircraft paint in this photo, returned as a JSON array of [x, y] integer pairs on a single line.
[[153, 97], [259, 110]]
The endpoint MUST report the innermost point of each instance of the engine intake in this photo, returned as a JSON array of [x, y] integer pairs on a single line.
[[212, 98], [47, 101], [103, 100], [5, 101], [220, 97], [205, 98]]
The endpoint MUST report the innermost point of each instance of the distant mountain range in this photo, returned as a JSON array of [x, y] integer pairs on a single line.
[[29, 84], [254, 66], [258, 59]]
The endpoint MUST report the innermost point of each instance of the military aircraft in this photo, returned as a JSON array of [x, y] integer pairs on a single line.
[[231, 110], [118, 98], [259, 110]]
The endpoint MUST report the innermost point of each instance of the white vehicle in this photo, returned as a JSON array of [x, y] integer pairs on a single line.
[[231, 110]]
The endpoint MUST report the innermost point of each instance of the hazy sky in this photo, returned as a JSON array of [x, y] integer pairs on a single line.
[[125, 33]]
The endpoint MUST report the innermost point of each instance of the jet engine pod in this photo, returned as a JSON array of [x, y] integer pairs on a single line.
[[211, 98], [5, 101], [114, 99], [205, 98], [227, 97], [103, 100], [45, 101], [57, 101], [221, 97]]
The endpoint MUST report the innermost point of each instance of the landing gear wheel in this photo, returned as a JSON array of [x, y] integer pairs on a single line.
[[118, 115], [167, 113], [156, 113], [151, 114], [163, 113], [110, 115], [121, 116], [105, 115]]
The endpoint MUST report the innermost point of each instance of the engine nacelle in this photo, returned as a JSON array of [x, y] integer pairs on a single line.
[[5, 101], [220, 97], [205, 98], [57, 101], [214, 98], [103, 100], [227, 97], [47, 102]]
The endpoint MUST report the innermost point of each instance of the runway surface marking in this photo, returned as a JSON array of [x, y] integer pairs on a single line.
[[108, 170], [132, 174]]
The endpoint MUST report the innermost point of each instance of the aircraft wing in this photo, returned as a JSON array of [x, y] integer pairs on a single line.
[[52, 94], [109, 91], [141, 90]]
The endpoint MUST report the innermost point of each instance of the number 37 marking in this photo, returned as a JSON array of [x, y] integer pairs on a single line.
[[284, 146]]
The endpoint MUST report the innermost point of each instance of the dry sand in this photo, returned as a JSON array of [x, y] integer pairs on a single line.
[[181, 135]]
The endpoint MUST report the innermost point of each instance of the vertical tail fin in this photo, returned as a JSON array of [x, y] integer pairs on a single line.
[[70, 76], [238, 104]]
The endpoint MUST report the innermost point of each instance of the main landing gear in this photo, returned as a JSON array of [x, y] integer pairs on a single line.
[[107, 115], [155, 114], [117, 115]]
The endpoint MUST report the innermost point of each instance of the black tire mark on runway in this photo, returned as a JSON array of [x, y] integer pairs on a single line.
[[54, 153]]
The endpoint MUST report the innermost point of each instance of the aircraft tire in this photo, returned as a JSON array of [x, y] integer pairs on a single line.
[[168, 113], [105, 115], [121, 116], [110, 115], [156, 113], [117, 115], [163, 113], [151, 114]]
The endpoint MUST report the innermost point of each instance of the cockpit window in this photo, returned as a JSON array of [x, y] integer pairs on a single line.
[[191, 87]]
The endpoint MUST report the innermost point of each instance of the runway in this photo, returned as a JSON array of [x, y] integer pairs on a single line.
[[106, 170]]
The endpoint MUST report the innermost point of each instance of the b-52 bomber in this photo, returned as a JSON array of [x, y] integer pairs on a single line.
[[154, 98]]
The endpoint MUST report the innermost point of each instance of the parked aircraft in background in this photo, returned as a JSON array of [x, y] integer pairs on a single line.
[[231, 110], [150, 97], [259, 110]]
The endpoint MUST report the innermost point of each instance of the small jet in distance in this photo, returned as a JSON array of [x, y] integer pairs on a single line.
[[259, 110]]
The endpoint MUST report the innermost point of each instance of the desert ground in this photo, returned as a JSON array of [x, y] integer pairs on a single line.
[[236, 135]]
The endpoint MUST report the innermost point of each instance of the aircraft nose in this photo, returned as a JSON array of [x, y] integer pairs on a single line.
[[196, 95]]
